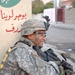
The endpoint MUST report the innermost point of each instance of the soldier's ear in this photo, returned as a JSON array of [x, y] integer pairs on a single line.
[[31, 36]]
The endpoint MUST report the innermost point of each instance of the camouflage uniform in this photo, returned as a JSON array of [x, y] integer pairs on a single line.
[[23, 60]]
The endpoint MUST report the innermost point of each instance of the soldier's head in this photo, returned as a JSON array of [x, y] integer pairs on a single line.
[[35, 31]]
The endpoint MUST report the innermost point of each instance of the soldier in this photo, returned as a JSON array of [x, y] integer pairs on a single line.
[[25, 57]]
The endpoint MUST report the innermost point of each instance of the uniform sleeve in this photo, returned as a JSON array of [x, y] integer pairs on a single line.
[[26, 61]]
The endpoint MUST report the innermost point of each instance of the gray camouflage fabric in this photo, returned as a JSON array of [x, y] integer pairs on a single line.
[[23, 61], [32, 25]]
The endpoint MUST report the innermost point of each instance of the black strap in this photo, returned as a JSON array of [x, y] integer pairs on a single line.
[[25, 42], [40, 53], [48, 55]]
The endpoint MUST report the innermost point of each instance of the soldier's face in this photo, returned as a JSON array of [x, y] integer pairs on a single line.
[[38, 39], [41, 38]]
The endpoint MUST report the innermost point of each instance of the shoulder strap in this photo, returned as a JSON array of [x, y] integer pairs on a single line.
[[27, 43]]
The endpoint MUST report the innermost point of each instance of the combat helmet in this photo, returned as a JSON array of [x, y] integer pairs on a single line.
[[31, 26]]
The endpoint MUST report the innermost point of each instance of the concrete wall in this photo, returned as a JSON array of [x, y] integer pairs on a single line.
[[51, 12], [70, 16], [37, 16], [12, 15], [47, 12]]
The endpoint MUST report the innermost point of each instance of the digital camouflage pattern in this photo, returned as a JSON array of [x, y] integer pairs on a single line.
[[23, 60], [32, 25]]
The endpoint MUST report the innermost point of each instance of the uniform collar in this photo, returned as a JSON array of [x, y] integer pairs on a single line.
[[26, 41]]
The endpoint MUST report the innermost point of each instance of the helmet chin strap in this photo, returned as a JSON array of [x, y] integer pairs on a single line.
[[36, 38]]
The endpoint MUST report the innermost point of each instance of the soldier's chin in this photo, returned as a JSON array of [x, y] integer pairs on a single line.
[[41, 45]]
